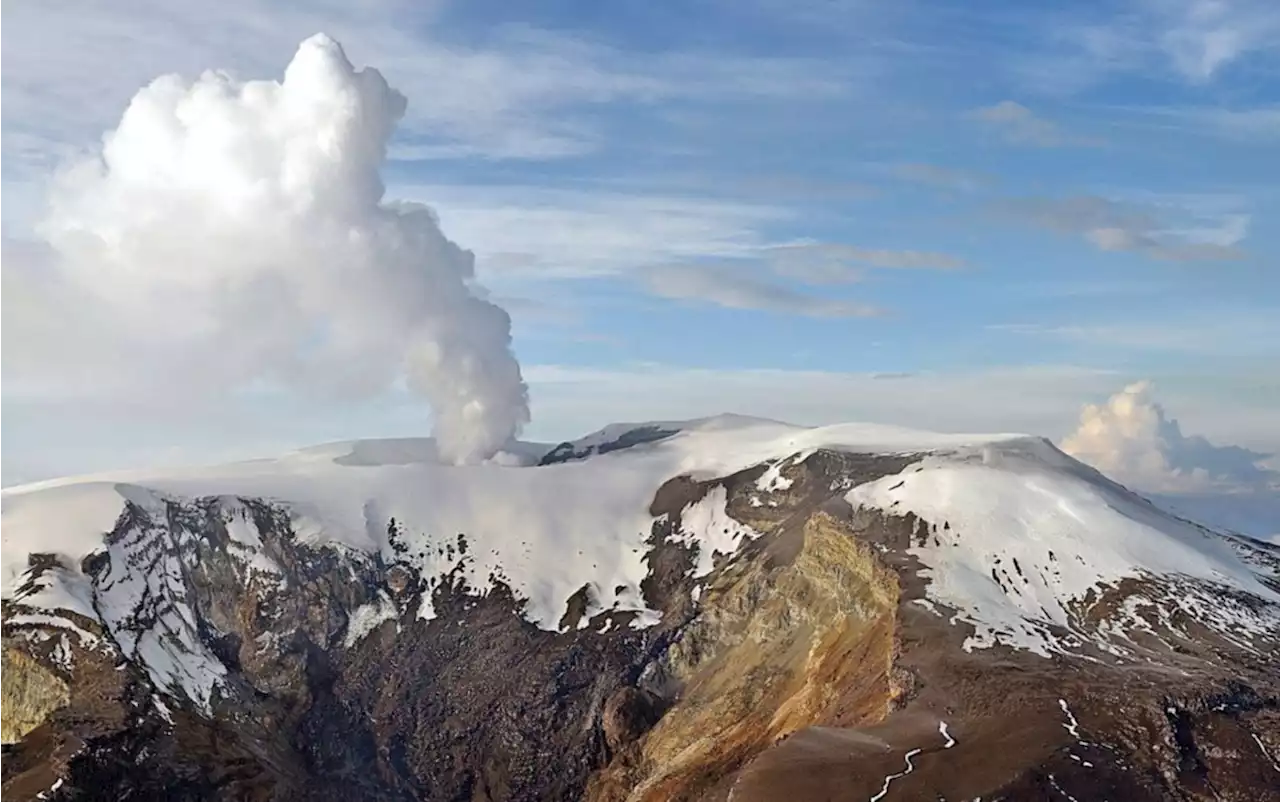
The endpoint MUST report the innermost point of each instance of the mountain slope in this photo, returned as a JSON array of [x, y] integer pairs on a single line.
[[625, 594]]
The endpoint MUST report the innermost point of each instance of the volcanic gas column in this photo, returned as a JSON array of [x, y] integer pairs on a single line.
[[232, 234]]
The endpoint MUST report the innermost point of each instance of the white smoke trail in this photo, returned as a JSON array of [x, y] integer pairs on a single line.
[[233, 234]]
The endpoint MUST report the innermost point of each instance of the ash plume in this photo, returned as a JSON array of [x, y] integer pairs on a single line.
[[233, 235]]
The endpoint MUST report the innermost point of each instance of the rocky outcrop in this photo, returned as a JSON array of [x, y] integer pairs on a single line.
[[30, 692], [792, 634]]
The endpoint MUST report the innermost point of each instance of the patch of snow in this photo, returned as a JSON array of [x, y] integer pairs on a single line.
[[62, 655], [645, 619], [365, 618], [87, 639], [241, 527], [772, 479], [162, 708], [1072, 726], [887, 780], [942, 730], [707, 526]]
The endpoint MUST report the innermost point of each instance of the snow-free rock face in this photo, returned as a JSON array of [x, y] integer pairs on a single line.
[[675, 610]]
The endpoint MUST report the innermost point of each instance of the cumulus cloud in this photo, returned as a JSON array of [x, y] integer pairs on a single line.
[[233, 238], [1132, 439]]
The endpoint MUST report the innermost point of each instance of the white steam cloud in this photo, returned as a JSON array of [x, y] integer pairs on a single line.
[[233, 236], [1132, 439]]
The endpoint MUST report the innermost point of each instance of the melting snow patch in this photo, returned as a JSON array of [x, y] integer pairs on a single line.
[[645, 619], [942, 730], [706, 525], [62, 654], [162, 709], [772, 479], [887, 780], [367, 617], [87, 639], [1072, 726]]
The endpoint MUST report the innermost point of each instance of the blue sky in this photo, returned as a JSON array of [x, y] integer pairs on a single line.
[[1011, 209]]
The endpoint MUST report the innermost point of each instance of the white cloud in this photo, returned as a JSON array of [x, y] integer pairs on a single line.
[[736, 283], [1035, 399], [1031, 399], [1142, 228], [1132, 439], [233, 236], [45, 438], [723, 285], [834, 262], [1208, 332], [1192, 41], [514, 92], [522, 232], [1019, 125], [1201, 37]]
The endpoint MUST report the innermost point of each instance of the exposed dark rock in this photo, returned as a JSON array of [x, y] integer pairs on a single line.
[[628, 714], [632, 437]]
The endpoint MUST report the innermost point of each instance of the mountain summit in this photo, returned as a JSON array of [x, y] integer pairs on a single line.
[[699, 610]]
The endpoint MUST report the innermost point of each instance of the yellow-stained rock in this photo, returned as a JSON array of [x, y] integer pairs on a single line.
[[778, 646], [29, 692]]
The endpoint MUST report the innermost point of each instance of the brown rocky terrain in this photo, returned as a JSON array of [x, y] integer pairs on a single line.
[[805, 666]]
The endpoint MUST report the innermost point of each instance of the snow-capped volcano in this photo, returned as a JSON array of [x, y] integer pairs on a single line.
[[1016, 546], [1019, 533]]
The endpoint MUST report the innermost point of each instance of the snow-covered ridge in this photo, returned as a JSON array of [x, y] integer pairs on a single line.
[[1020, 534], [1031, 531], [550, 527]]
